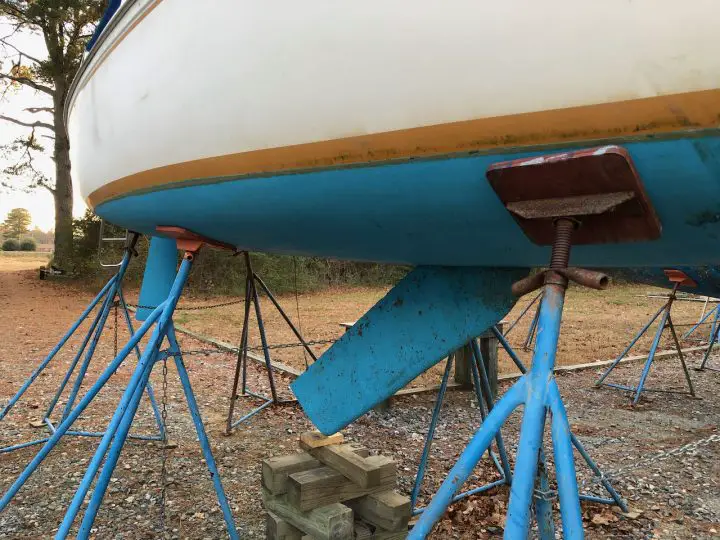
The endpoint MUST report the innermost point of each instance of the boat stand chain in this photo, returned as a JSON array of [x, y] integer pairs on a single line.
[[113, 440], [583, 197], [252, 298], [483, 394], [677, 278], [110, 299]]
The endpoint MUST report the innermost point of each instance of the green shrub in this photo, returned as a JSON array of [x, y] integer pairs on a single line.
[[28, 244], [11, 245]]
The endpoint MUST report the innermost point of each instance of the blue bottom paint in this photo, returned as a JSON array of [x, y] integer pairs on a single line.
[[428, 212]]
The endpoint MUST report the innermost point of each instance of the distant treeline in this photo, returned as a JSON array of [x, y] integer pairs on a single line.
[[219, 272]]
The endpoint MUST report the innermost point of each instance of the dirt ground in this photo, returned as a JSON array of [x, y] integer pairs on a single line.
[[678, 497]]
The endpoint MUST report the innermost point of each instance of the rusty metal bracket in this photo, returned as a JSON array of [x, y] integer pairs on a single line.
[[598, 186]]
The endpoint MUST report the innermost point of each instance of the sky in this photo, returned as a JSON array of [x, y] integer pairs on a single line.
[[40, 201]]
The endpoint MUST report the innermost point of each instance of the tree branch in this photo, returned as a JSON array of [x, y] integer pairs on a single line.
[[21, 53], [28, 82], [35, 110], [27, 124]]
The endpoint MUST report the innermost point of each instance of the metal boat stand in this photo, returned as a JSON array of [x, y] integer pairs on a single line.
[[483, 394], [714, 334], [113, 440], [252, 298], [614, 497], [678, 279], [559, 200], [527, 345], [110, 298], [715, 314]]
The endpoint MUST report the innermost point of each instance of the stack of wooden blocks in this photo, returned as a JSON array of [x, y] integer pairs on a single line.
[[333, 491]]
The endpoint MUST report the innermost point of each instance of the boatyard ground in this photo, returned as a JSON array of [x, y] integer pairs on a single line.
[[677, 497]]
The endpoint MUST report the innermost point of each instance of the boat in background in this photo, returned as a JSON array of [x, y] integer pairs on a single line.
[[364, 131]]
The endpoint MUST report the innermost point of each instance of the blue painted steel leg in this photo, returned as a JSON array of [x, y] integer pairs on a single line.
[[533, 423], [148, 388], [104, 313], [565, 466], [202, 437], [651, 356], [615, 497], [73, 364], [57, 347], [522, 314], [543, 502], [665, 322], [533, 328], [128, 404], [710, 347], [468, 459], [536, 389], [630, 346], [483, 396], [713, 312], [430, 434], [484, 384], [78, 410]]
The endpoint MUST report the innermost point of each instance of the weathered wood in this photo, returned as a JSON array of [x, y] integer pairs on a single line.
[[275, 470], [277, 528], [362, 531], [380, 535], [463, 359], [387, 510], [489, 350], [318, 487], [331, 522], [315, 439], [365, 471]]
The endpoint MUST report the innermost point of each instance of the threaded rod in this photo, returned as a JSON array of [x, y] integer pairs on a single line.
[[561, 247]]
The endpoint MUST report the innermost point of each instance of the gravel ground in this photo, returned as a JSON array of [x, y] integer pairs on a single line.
[[674, 498]]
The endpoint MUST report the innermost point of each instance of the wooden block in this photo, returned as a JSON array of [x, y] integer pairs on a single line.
[[362, 531], [331, 522], [365, 471], [275, 471], [322, 486], [315, 439], [387, 510], [384, 535], [276, 528]]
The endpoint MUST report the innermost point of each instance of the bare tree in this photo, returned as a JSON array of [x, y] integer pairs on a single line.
[[65, 27]]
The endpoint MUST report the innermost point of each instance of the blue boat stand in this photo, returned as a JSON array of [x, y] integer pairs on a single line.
[[481, 386], [537, 390], [665, 322], [111, 444], [713, 339], [527, 345], [109, 298], [715, 314], [252, 298]]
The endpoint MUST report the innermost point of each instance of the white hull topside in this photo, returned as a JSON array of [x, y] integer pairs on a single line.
[[173, 81]]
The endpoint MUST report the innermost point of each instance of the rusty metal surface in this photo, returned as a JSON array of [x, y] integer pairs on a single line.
[[585, 175], [583, 205], [679, 277]]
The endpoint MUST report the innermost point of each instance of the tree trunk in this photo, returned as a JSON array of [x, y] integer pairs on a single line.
[[63, 192]]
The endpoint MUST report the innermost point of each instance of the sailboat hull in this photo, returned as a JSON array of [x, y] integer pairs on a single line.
[[364, 131]]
